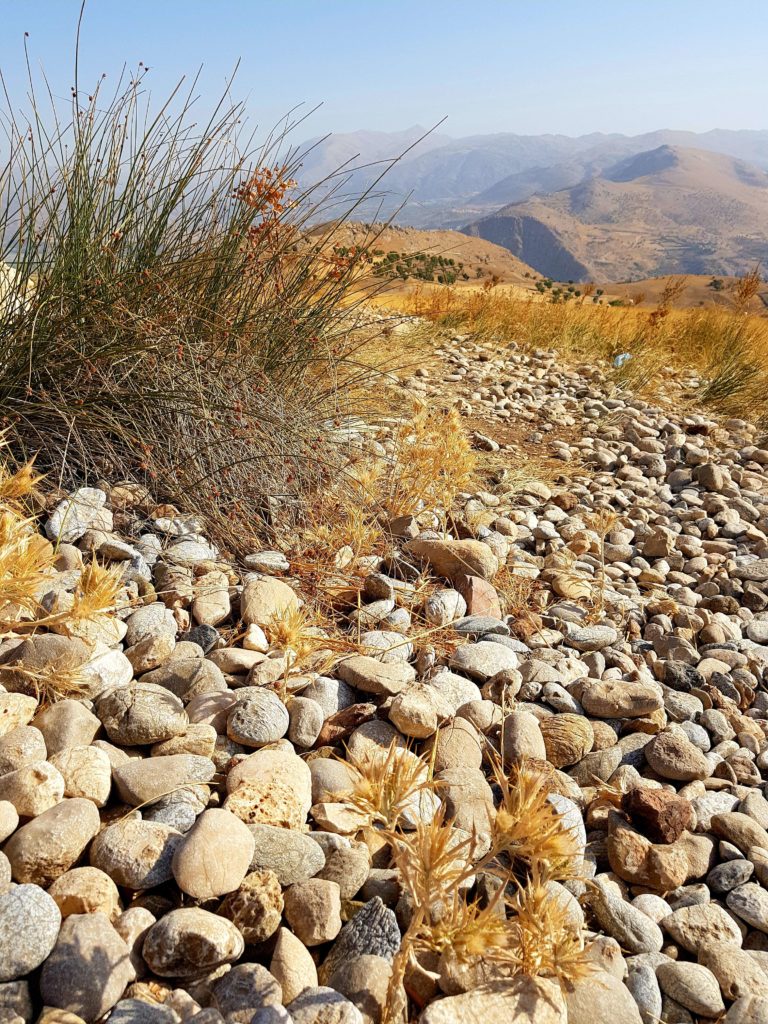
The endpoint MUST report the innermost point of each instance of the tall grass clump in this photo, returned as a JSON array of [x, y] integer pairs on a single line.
[[163, 314]]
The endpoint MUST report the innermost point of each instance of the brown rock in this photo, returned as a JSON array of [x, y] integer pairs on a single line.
[[739, 829], [672, 756], [266, 599], [86, 891], [50, 844], [257, 906], [313, 910], [660, 866], [480, 596], [339, 726], [454, 558], [659, 814]]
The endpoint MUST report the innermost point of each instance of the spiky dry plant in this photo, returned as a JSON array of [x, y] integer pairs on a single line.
[[541, 940], [528, 829], [534, 936], [17, 484], [519, 593], [433, 461], [297, 632], [98, 591], [601, 522], [26, 560], [387, 785], [47, 684]]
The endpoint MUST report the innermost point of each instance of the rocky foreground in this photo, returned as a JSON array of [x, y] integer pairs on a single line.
[[180, 836]]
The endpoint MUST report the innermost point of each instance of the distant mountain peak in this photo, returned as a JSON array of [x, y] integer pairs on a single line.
[[641, 165]]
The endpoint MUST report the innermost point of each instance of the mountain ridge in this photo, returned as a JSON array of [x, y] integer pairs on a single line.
[[667, 210]]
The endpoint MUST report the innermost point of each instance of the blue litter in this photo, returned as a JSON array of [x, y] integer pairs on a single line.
[[620, 360]]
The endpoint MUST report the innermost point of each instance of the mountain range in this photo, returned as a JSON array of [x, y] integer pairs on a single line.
[[610, 207]]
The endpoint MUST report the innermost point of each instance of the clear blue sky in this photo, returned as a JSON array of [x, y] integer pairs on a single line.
[[490, 65]]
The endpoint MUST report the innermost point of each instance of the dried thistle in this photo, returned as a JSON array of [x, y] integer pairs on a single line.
[[295, 631], [433, 461], [388, 786], [97, 591], [541, 941], [26, 560], [528, 828], [48, 684]]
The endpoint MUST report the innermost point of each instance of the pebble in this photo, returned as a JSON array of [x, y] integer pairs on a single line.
[[86, 890], [292, 965], [256, 907], [199, 867], [693, 986], [244, 990], [136, 854], [750, 903], [88, 969], [258, 719], [323, 1004], [292, 856], [52, 842], [695, 926], [29, 926], [190, 942]]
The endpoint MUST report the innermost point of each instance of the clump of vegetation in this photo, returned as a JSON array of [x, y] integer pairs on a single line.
[[524, 928], [27, 573], [162, 311]]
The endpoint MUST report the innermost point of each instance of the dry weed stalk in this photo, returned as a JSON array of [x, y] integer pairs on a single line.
[[48, 684], [541, 941], [26, 561], [437, 864]]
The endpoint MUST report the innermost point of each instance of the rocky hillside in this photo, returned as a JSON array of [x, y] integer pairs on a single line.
[[665, 211], [475, 260], [515, 774]]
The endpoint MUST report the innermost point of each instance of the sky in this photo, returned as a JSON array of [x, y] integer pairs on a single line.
[[485, 65]]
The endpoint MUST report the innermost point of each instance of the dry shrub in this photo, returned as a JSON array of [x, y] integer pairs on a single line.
[[542, 942], [528, 829], [525, 927], [433, 461], [387, 785], [27, 571]]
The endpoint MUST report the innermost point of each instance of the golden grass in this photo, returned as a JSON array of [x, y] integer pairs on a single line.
[[26, 570], [727, 347], [434, 461], [530, 933], [25, 562], [542, 942]]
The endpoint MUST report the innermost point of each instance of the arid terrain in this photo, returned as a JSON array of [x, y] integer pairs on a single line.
[[383, 609]]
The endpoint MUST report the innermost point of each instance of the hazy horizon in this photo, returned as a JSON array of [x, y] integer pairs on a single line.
[[491, 68]]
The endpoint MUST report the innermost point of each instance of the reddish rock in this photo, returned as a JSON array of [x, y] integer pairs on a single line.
[[660, 815], [480, 595]]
